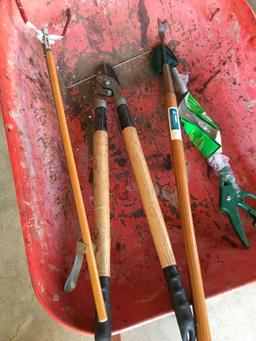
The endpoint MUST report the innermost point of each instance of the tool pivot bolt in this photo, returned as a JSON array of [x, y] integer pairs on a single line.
[[109, 92], [229, 198], [107, 81]]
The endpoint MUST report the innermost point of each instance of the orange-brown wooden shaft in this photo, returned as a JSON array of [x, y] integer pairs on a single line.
[[179, 163], [148, 197], [85, 231], [101, 201]]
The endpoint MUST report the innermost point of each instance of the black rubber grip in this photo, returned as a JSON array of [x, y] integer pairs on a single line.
[[180, 303], [103, 329], [124, 116], [100, 121]]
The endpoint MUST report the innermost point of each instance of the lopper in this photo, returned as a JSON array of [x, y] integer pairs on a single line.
[[108, 85]]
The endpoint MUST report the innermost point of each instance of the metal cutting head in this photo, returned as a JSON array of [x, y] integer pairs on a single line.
[[107, 82], [107, 70]]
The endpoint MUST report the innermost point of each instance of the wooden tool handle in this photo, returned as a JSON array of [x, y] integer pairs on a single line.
[[148, 197], [179, 163], [101, 201], [200, 311], [85, 231], [157, 225], [102, 214]]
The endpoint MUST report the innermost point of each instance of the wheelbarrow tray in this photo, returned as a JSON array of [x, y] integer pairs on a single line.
[[215, 42]]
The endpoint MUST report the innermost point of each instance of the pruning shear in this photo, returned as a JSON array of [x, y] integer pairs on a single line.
[[205, 135], [231, 197]]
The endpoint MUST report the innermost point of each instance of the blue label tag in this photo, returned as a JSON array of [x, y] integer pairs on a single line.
[[174, 118]]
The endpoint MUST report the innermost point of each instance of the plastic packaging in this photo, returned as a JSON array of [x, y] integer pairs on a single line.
[[201, 129], [220, 163]]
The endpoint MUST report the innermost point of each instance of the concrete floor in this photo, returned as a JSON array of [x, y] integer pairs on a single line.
[[232, 315]]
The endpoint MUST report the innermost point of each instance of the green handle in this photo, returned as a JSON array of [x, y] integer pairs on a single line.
[[231, 198], [246, 207]]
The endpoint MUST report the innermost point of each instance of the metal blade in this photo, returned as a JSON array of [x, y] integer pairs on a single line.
[[162, 28], [106, 69]]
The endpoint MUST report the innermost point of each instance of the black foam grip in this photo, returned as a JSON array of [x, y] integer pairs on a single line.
[[103, 329], [180, 303], [124, 116], [100, 121]]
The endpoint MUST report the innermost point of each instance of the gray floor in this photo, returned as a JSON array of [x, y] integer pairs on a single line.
[[253, 4], [232, 315]]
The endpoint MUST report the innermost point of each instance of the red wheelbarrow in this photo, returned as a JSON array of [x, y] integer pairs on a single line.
[[215, 42]]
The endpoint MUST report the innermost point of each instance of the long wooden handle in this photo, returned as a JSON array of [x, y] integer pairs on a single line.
[[101, 201], [148, 197], [156, 224], [85, 231], [179, 163], [102, 213]]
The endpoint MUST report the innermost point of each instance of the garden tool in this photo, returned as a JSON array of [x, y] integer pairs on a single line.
[[107, 85], [47, 40], [160, 63], [205, 135]]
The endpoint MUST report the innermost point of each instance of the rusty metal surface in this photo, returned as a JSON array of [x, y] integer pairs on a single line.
[[215, 40]]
